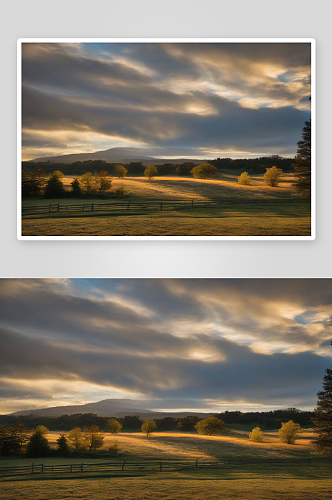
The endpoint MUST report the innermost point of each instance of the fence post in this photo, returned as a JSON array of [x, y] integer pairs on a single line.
[[92, 207], [71, 468], [192, 203], [83, 207], [128, 206], [49, 208], [58, 207], [32, 468], [123, 464], [42, 468], [161, 467], [161, 206], [81, 467]]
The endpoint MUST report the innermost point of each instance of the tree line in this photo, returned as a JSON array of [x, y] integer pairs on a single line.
[[21, 440], [133, 423], [252, 165]]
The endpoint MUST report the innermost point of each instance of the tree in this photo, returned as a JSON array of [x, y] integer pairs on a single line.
[[62, 446], [210, 426], [33, 182], [42, 430], [256, 435], [302, 163], [121, 171], [103, 181], [88, 182], [272, 176], [150, 171], [9, 440], [38, 444], [58, 174], [54, 188], [148, 426], [76, 190], [244, 178], [76, 439], [323, 416], [289, 431], [184, 168], [23, 434], [93, 437], [114, 425], [204, 171]]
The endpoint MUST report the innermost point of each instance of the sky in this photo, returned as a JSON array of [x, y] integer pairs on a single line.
[[180, 344], [193, 100]]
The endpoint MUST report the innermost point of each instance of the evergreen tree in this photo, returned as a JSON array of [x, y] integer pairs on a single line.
[[38, 445], [302, 164], [76, 190], [323, 416], [62, 446], [54, 188]]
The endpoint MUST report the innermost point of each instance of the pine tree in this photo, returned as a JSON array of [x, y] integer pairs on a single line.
[[302, 162], [323, 416]]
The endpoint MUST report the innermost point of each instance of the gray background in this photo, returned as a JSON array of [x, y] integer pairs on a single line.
[[159, 18]]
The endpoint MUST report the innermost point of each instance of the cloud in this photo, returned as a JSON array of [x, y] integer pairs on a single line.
[[261, 342], [194, 97]]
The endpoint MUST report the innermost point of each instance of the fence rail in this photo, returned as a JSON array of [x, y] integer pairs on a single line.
[[146, 465], [149, 204]]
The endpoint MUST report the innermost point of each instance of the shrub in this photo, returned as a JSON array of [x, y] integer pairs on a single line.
[[244, 178], [114, 449], [204, 171], [210, 426], [272, 176], [289, 431], [120, 192], [256, 435]]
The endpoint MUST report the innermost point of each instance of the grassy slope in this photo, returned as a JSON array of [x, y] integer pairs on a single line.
[[241, 220], [308, 481]]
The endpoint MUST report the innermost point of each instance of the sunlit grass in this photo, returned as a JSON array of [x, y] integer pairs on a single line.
[[305, 481], [237, 220], [176, 187]]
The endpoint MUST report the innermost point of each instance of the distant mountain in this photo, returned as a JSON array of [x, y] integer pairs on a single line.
[[120, 155], [102, 408], [106, 408]]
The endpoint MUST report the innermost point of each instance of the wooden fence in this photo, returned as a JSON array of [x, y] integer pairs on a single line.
[[161, 205], [145, 466]]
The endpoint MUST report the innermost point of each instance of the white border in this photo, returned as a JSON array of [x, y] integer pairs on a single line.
[[312, 41]]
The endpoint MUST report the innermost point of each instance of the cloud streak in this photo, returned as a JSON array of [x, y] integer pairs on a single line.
[[217, 342], [192, 97]]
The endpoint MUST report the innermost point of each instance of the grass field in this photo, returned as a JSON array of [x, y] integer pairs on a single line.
[[308, 481], [226, 220]]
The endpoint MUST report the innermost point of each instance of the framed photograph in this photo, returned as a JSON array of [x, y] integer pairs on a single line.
[[166, 139], [176, 388]]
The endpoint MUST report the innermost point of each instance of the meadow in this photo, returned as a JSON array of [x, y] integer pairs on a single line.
[[240, 218], [306, 480]]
